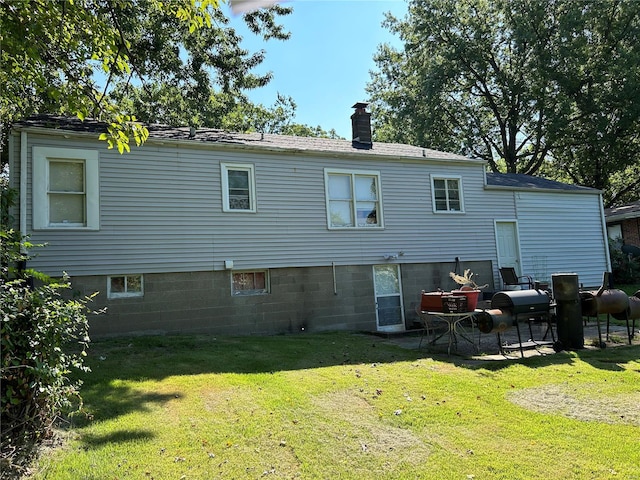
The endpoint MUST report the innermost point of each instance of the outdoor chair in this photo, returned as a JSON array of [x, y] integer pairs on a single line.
[[511, 278]]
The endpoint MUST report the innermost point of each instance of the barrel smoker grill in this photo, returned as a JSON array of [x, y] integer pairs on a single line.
[[611, 302], [509, 308]]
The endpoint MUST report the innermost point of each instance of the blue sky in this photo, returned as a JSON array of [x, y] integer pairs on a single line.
[[325, 64]]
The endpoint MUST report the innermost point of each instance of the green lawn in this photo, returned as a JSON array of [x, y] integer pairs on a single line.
[[630, 289], [347, 406]]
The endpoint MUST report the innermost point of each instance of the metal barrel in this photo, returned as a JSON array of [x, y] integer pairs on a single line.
[[493, 321], [568, 310], [606, 301], [631, 312]]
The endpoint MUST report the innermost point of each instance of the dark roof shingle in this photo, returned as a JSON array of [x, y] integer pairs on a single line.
[[520, 180], [258, 140]]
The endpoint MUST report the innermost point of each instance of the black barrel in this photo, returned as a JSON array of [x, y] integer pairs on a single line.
[[493, 321], [522, 301], [566, 292]]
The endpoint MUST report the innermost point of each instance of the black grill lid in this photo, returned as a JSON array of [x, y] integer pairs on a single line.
[[522, 301]]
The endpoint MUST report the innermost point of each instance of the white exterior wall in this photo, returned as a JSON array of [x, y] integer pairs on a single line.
[[565, 233], [161, 211]]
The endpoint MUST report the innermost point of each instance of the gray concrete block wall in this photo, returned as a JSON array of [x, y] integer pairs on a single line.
[[300, 298]]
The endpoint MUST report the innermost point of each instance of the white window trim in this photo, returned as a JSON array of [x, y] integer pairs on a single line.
[[245, 293], [125, 294], [345, 171], [41, 156], [433, 193], [247, 167]]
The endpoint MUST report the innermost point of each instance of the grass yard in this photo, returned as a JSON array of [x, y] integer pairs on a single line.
[[347, 406], [630, 289]]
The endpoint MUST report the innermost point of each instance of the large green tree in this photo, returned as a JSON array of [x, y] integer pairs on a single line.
[[526, 85], [80, 57]]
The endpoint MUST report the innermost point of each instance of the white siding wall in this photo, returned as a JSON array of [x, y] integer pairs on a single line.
[[161, 211], [564, 232]]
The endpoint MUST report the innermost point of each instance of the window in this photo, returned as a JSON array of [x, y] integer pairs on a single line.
[[353, 199], [238, 188], [65, 189], [121, 286], [447, 194], [250, 283]]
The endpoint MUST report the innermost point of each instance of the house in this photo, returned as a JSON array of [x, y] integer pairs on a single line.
[[209, 231], [623, 223]]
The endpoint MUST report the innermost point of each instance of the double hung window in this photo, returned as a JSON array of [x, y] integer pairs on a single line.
[[238, 187], [65, 189], [447, 194], [353, 199]]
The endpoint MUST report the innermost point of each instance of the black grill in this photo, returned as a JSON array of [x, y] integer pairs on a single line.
[[522, 301]]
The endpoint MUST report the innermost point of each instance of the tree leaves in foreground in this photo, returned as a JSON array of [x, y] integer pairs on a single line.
[[525, 85], [51, 51]]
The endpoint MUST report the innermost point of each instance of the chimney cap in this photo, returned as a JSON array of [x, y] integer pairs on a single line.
[[360, 105]]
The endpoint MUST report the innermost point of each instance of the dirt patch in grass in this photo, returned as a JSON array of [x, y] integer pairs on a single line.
[[366, 433], [580, 404]]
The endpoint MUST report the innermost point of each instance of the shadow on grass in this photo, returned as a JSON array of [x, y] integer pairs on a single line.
[[164, 356], [90, 440], [114, 362], [104, 400]]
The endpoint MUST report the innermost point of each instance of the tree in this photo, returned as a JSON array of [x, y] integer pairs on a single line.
[[523, 84], [52, 50]]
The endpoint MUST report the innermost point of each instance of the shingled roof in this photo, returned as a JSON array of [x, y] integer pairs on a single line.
[[254, 140], [513, 181], [630, 210]]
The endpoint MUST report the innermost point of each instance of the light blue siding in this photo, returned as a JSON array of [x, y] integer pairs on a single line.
[[161, 212]]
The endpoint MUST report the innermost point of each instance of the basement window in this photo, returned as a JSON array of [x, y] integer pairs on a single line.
[[123, 286], [250, 282]]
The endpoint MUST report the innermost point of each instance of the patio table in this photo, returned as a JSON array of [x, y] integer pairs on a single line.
[[455, 328]]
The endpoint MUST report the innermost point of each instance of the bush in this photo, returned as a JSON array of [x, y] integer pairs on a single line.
[[625, 269], [43, 338]]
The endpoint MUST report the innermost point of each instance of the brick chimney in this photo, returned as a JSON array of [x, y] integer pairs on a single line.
[[361, 124]]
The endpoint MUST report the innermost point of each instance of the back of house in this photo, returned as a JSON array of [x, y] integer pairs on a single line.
[[201, 230]]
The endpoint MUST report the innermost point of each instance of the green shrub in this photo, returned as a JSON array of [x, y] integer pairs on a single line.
[[625, 269], [43, 338]]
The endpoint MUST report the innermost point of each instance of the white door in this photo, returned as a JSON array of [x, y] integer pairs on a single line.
[[508, 249], [388, 290]]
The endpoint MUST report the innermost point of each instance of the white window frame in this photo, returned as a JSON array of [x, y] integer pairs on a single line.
[[242, 293], [225, 167], [457, 178], [353, 174], [42, 156], [126, 293]]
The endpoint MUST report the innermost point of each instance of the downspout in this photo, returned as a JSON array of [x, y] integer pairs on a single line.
[[605, 235], [335, 285], [23, 183]]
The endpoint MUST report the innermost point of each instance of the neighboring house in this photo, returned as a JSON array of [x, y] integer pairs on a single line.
[[207, 231], [623, 223]]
